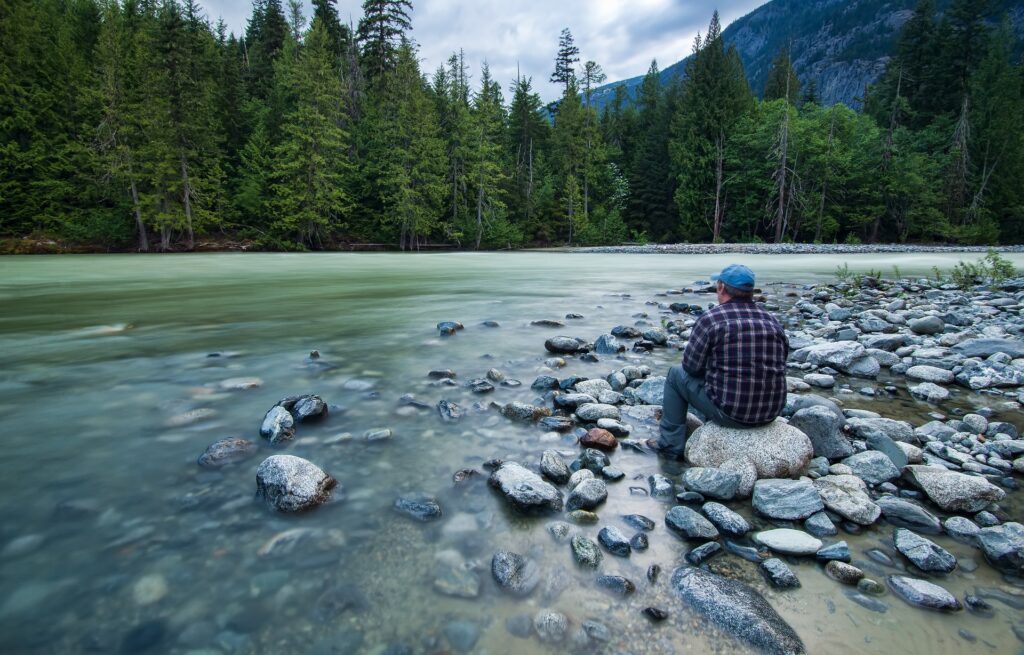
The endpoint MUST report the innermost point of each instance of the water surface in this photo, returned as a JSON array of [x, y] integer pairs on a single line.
[[109, 392]]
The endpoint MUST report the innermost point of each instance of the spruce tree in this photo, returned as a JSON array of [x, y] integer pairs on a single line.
[[782, 81], [568, 54], [528, 133], [381, 31]]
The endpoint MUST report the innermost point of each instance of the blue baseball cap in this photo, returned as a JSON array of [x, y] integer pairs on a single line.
[[736, 276]]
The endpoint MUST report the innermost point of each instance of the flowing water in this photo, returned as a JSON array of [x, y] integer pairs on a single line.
[[112, 382]]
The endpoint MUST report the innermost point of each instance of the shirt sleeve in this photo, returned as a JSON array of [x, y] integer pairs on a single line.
[[702, 339]]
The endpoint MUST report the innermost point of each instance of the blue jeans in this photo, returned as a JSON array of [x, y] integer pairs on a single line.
[[683, 391]]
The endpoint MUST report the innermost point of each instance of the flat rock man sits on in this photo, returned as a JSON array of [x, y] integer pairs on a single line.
[[734, 366]]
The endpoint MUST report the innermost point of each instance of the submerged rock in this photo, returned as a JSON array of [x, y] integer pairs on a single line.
[[514, 573], [776, 450], [737, 609], [525, 490], [924, 553], [554, 468], [1003, 546], [778, 574], [922, 593], [585, 552], [906, 514], [419, 506], [226, 452], [291, 484], [587, 495], [789, 542], [689, 524]]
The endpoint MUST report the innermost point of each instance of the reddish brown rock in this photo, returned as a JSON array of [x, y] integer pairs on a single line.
[[599, 438]]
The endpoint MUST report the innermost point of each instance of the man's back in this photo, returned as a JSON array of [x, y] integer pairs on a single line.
[[740, 349]]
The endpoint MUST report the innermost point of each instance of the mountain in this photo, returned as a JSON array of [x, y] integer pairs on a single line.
[[842, 44]]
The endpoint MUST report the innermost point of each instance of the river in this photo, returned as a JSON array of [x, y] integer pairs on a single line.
[[113, 382]]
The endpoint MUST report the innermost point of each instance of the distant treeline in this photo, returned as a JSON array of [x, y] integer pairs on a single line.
[[138, 124]]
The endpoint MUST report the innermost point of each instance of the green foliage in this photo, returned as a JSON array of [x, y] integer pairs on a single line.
[[843, 273], [993, 268]]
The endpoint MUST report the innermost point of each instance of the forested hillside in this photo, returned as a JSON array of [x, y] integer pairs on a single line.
[[138, 124]]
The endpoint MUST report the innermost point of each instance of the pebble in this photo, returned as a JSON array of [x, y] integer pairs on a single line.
[[149, 589]]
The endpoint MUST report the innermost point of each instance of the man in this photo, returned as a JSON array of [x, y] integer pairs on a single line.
[[734, 366]]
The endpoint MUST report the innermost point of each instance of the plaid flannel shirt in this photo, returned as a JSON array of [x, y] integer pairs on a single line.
[[740, 350]]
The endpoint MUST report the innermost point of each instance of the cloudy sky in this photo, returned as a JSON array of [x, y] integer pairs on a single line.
[[621, 35]]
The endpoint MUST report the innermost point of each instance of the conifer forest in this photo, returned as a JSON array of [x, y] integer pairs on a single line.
[[145, 125]]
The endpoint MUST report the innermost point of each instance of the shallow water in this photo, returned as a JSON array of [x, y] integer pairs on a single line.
[[108, 393]]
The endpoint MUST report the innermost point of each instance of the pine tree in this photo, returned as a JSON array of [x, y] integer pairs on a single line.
[[311, 179], [715, 94], [568, 146], [648, 167], [381, 31], [568, 54], [810, 96], [337, 34], [487, 167], [528, 133], [782, 81]]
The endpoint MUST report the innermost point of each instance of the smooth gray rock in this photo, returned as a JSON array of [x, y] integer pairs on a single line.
[[955, 492], [737, 609], [587, 495], [660, 486], [607, 344], [564, 345], [922, 593], [847, 496], [864, 428], [933, 374], [725, 519], [524, 490], [820, 525], [824, 429], [515, 574], [872, 467], [961, 529], [929, 391], [924, 553], [787, 500], [894, 450], [712, 482], [524, 412], [788, 541], [927, 325], [593, 459], [907, 514], [776, 450], [688, 524], [1003, 546], [848, 357], [554, 468], [593, 411], [551, 627], [986, 347], [651, 391]]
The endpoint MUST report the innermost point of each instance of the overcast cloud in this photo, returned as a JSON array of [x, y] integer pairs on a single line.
[[623, 35]]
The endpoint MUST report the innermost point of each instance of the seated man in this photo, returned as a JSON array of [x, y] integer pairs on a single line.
[[734, 366]]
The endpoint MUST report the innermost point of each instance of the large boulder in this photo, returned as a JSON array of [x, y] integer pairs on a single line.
[[955, 492], [776, 450], [525, 490], [712, 483], [737, 609], [825, 430], [847, 496], [292, 484]]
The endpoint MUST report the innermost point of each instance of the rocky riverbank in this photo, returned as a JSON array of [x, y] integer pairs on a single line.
[[786, 248], [776, 497]]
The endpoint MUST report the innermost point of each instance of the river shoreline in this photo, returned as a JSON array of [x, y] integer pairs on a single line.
[[42, 246]]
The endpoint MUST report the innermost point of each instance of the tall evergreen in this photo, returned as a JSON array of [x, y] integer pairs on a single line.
[[381, 32], [568, 54], [782, 81]]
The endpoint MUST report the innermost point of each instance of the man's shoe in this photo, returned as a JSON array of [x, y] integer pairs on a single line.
[[663, 451]]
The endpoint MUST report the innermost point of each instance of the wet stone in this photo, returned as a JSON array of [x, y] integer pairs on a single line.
[[661, 487], [961, 529], [612, 474], [839, 551], [292, 484], [599, 438], [906, 514], [554, 468], [788, 541], [689, 524], [639, 521], [587, 495], [144, 636], [639, 542], [520, 625], [1003, 546], [787, 500], [559, 530], [419, 506], [514, 573], [869, 586], [726, 520], [922, 593], [585, 552], [449, 411], [820, 525], [843, 572], [778, 574], [614, 541], [703, 553], [226, 452], [593, 460], [616, 584], [462, 635], [278, 425], [525, 490]]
